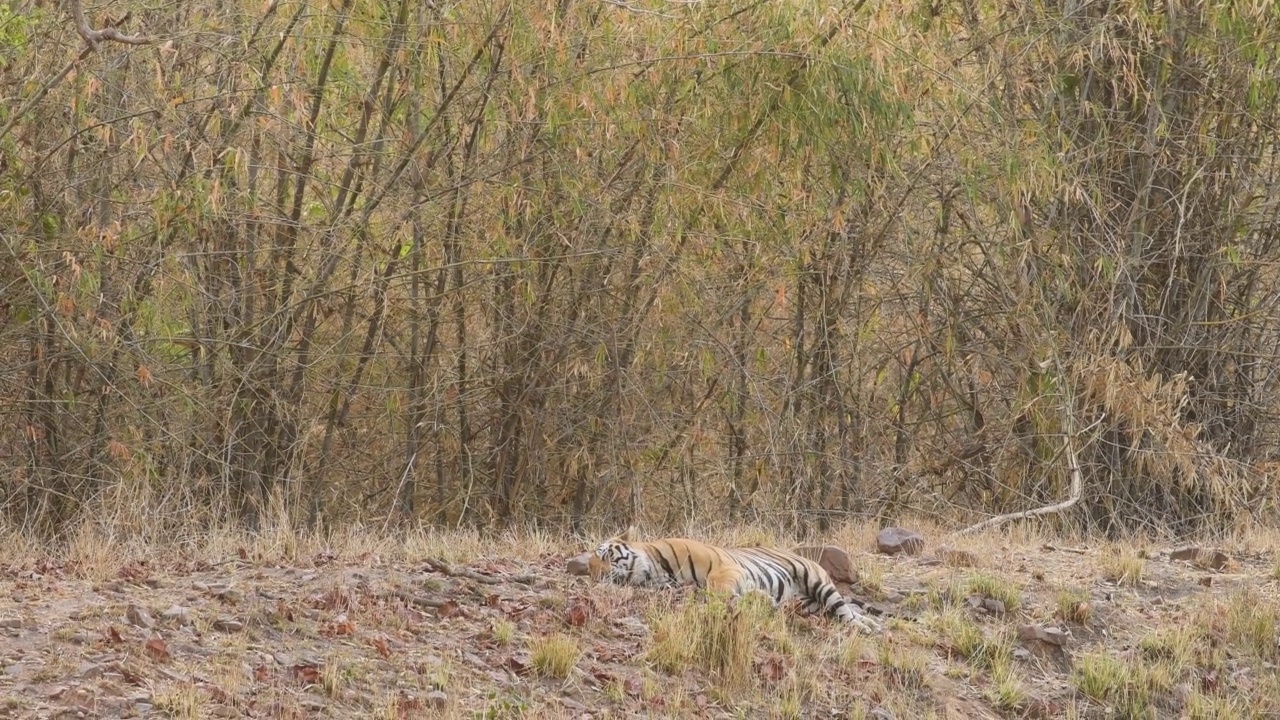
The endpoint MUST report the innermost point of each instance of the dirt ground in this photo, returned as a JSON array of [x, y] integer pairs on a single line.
[[451, 625]]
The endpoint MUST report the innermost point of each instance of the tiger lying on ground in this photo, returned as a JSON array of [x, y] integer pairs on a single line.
[[677, 561]]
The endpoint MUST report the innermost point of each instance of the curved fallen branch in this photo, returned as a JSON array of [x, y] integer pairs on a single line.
[[1077, 489], [93, 37]]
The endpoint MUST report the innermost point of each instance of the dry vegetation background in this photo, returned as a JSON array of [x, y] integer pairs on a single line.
[[582, 263]]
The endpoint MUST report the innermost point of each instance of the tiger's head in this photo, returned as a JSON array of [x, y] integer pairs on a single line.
[[612, 560]]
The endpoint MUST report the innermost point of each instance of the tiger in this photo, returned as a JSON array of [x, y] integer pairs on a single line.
[[674, 562]]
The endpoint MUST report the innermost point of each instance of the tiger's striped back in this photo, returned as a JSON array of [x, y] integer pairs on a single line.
[[678, 561]]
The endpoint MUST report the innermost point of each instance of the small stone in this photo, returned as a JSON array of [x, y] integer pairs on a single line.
[[178, 614], [1206, 558], [10, 622], [879, 713], [578, 565], [225, 623], [437, 699], [993, 605], [899, 541], [226, 593], [139, 616], [1049, 635]]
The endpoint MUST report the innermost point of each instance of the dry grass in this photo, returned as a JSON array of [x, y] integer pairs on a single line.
[[1123, 565], [1073, 605], [555, 656], [1205, 652]]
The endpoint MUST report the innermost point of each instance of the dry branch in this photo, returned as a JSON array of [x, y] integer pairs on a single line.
[[443, 567], [418, 600], [1077, 489], [93, 37]]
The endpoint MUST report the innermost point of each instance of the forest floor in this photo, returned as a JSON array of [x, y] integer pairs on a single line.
[[424, 624]]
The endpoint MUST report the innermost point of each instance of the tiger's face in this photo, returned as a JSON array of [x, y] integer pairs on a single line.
[[602, 565]]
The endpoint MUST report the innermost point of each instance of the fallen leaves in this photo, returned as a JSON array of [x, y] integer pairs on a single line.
[[341, 626], [305, 673], [156, 648], [578, 612]]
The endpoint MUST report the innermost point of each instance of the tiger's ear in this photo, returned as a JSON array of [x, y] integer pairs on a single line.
[[625, 535]]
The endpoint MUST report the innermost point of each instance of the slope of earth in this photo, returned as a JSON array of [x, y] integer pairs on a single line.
[[450, 625]]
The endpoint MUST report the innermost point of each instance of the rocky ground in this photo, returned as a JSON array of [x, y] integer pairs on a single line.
[[449, 625]]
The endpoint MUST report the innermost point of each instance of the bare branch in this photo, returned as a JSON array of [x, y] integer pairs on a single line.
[[93, 37], [1077, 489]]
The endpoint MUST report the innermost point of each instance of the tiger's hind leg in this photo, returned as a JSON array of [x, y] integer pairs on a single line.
[[725, 580]]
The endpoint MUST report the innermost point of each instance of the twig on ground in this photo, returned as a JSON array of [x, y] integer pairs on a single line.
[[1051, 548], [443, 567], [418, 600]]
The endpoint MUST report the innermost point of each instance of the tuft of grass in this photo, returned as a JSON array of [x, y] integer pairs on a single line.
[[1101, 676], [1176, 646], [503, 631], [1005, 692], [331, 676], [962, 636], [1123, 565], [1215, 707], [850, 651], [1073, 605], [904, 668], [1131, 690], [959, 634], [183, 701], [996, 588], [1253, 624], [942, 597], [434, 676], [554, 656], [870, 577], [718, 636]]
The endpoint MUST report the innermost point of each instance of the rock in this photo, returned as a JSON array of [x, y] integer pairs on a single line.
[[1048, 635], [832, 559], [226, 593], [178, 614], [437, 699], [11, 622], [226, 623], [1206, 558], [985, 604], [879, 713], [899, 541], [139, 616], [578, 565]]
